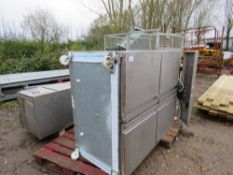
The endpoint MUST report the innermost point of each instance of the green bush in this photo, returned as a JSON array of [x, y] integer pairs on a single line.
[[17, 49], [24, 56]]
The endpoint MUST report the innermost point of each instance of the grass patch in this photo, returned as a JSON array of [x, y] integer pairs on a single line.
[[10, 105]]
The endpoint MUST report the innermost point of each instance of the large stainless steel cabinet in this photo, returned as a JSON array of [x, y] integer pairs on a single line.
[[122, 109], [45, 109]]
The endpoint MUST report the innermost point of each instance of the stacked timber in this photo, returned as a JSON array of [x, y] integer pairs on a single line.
[[218, 99]]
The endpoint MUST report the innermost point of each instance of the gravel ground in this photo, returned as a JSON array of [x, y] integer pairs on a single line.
[[208, 151]]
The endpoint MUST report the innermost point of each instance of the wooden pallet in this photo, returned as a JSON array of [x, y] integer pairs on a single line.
[[56, 157], [171, 135], [218, 99]]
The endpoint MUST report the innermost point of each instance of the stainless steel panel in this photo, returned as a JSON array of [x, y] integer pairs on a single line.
[[91, 91], [166, 114], [30, 119], [45, 111], [189, 78], [140, 82], [137, 142], [169, 71]]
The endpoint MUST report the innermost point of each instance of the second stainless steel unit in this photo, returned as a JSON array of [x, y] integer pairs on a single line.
[[45, 109]]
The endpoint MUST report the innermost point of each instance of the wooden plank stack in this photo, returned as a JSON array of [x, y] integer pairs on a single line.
[[218, 99]]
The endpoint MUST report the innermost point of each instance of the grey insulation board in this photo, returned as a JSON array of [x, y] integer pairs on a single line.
[[10, 84], [10, 80]]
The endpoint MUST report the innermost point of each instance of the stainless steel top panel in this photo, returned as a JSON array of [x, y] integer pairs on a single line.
[[44, 89]]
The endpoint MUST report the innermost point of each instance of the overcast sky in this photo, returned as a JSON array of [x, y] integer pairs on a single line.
[[75, 15], [72, 14]]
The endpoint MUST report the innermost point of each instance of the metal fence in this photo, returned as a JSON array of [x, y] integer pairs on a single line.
[[143, 40]]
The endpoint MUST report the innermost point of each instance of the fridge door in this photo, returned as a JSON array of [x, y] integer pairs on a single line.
[[170, 65], [140, 72], [138, 140]]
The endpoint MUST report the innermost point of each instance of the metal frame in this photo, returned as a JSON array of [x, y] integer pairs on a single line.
[[208, 64], [115, 76], [203, 30], [143, 40], [188, 79]]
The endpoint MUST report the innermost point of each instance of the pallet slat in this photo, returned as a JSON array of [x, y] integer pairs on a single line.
[[65, 142], [69, 136], [59, 149]]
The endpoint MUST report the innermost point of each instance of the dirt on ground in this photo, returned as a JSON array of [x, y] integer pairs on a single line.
[[208, 151]]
